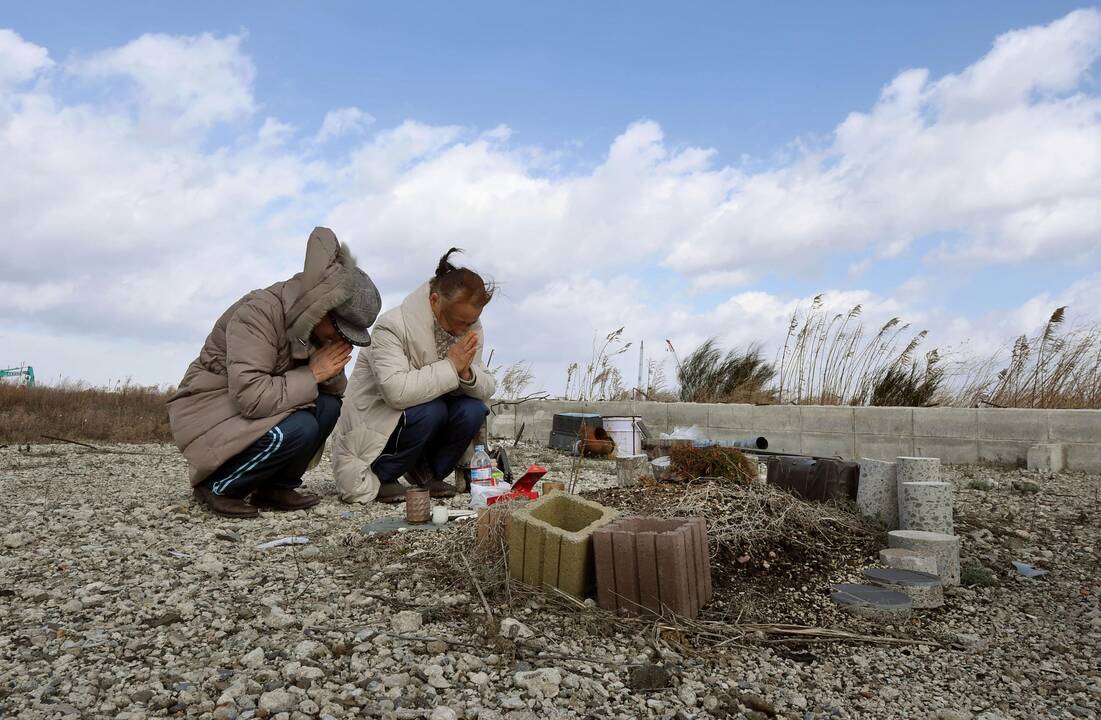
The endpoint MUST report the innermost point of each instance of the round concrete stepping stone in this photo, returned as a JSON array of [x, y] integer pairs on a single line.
[[873, 603], [925, 589], [908, 560], [877, 492], [925, 506], [944, 548]]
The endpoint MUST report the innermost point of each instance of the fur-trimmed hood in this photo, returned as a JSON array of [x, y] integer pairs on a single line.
[[325, 282]]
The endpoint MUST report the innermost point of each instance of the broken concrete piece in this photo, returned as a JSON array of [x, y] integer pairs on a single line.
[[877, 492], [873, 603], [550, 542], [1047, 457], [907, 560], [925, 506], [653, 565], [924, 589], [632, 469], [944, 548]]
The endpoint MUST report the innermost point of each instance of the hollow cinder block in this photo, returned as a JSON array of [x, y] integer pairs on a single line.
[[653, 565], [550, 542]]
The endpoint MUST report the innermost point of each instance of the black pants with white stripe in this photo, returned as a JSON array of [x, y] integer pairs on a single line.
[[281, 454]]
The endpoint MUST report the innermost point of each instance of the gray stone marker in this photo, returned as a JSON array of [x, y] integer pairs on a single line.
[[925, 589], [944, 548], [925, 506], [877, 493], [908, 560], [873, 603]]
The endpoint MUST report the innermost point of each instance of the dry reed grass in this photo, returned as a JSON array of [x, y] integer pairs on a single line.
[[124, 413]]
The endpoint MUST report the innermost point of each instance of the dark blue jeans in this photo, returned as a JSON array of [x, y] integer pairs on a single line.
[[437, 432], [281, 454]]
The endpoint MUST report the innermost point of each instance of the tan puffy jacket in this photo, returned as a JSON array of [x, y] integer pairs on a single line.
[[253, 369], [400, 369]]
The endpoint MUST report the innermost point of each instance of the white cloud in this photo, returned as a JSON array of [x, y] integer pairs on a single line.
[[130, 227], [342, 122], [187, 82], [20, 60]]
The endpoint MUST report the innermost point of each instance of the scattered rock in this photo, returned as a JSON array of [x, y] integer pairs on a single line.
[[276, 701], [1026, 486], [444, 713], [541, 683], [15, 540], [513, 629], [406, 621]]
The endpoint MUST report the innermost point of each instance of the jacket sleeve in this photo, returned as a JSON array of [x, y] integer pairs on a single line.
[[251, 354], [484, 383], [335, 385], [402, 385]]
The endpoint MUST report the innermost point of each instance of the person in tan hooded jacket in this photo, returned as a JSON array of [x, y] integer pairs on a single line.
[[418, 395], [253, 411]]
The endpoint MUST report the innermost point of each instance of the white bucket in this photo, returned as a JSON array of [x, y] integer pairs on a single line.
[[626, 433]]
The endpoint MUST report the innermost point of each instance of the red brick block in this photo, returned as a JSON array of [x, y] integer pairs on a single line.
[[653, 565]]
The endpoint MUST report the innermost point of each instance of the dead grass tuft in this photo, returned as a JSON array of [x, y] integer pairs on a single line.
[[124, 413]]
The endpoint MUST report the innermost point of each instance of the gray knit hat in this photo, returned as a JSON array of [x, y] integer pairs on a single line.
[[352, 317]]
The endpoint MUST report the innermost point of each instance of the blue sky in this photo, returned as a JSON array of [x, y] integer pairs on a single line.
[[701, 169]]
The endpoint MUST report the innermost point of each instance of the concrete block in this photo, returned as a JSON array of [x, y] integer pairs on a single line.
[[1049, 457], [883, 447], [946, 423], [655, 415], [950, 451], [731, 417], [1013, 424], [550, 542], [770, 419], [945, 548], [1083, 457], [632, 469], [877, 492], [842, 445], [828, 419], [889, 421], [1074, 426], [925, 506], [651, 565], [1003, 452], [907, 560]]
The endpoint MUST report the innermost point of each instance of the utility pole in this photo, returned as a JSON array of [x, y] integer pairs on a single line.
[[641, 353]]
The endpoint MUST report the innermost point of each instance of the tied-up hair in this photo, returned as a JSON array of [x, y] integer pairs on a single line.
[[460, 284]]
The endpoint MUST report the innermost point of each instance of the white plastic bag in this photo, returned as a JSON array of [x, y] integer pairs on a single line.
[[480, 493]]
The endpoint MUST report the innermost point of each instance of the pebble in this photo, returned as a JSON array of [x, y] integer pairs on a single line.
[[406, 621], [15, 540], [444, 713], [276, 701], [541, 683]]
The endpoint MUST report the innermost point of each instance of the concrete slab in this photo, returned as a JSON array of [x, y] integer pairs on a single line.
[[731, 417], [770, 419], [951, 451], [923, 589], [889, 421], [1013, 424], [828, 445], [689, 414], [1082, 457], [1074, 426], [1003, 452], [946, 423], [828, 419], [883, 447]]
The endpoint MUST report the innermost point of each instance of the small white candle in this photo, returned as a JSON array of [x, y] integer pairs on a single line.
[[439, 515]]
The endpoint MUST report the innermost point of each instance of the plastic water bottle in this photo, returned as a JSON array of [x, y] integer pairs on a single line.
[[481, 467]]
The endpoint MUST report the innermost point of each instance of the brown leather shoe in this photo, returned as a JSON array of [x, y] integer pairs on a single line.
[[280, 498], [225, 506], [391, 492]]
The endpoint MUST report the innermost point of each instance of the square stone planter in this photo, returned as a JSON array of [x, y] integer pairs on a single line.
[[647, 565], [550, 542]]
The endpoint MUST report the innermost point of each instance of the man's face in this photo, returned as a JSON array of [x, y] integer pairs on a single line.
[[325, 333], [456, 318]]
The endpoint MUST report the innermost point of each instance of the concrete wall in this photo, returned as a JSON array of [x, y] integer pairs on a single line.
[[956, 435]]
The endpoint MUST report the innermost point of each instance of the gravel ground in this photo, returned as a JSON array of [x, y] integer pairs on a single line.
[[121, 598]]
